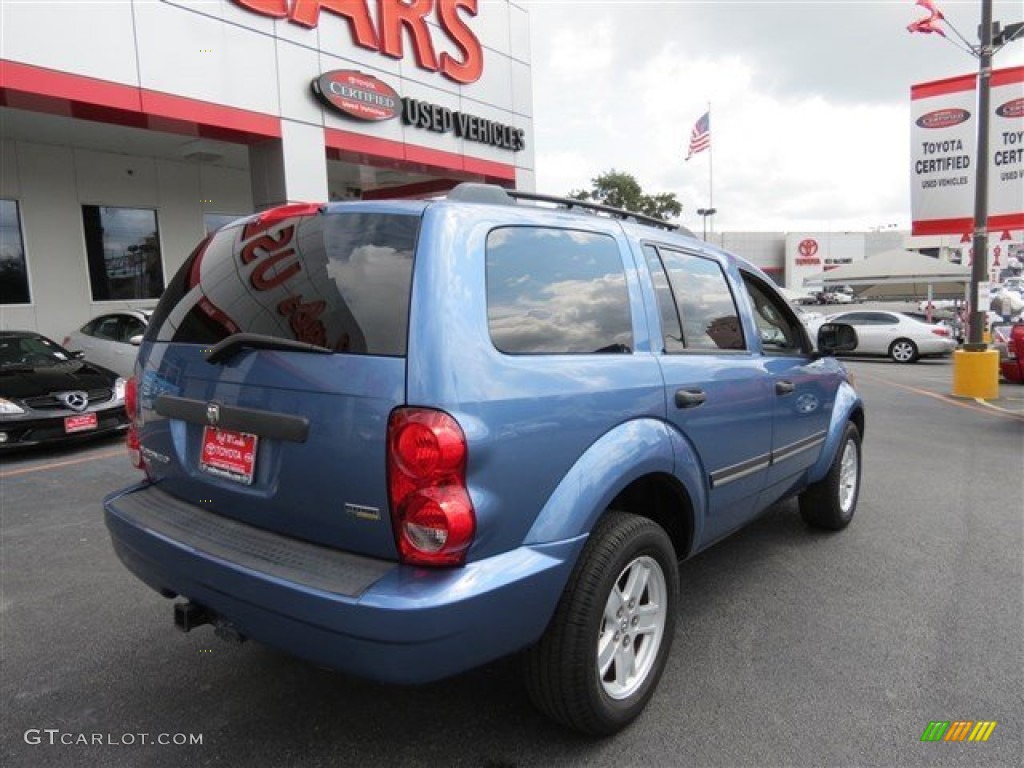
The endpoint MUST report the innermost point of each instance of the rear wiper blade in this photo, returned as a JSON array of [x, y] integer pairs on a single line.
[[229, 347]]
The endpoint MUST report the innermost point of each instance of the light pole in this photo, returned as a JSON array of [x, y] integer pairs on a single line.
[[704, 213]]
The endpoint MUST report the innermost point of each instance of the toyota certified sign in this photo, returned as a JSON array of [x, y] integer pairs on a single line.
[[357, 95]]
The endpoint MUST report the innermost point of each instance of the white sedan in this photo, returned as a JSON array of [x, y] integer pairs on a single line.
[[111, 340], [893, 334]]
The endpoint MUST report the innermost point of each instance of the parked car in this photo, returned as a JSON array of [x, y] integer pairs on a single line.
[[1008, 339], [405, 438], [111, 340], [895, 335], [49, 395]]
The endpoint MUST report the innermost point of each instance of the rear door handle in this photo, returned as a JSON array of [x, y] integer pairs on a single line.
[[784, 387], [690, 398]]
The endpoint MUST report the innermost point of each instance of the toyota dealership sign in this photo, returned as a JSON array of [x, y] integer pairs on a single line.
[[943, 144]]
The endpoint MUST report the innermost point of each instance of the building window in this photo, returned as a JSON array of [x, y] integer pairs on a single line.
[[123, 248], [214, 221], [555, 291], [13, 271]]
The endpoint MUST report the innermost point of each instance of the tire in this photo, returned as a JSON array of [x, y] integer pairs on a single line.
[[903, 351], [596, 624], [831, 502]]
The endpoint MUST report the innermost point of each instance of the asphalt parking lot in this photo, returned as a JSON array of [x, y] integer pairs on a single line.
[[794, 648]]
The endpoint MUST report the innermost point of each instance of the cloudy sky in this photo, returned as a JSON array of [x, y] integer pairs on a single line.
[[810, 102]]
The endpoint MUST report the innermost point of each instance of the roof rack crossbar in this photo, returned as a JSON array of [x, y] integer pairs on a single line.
[[571, 202]]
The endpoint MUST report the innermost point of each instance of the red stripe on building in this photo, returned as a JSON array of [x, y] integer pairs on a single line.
[[344, 145], [37, 89]]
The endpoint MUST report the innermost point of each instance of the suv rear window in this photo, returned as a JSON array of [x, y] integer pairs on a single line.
[[339, 280], [556, 291]]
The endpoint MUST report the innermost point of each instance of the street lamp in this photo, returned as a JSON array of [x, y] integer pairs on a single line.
[[704, 213]]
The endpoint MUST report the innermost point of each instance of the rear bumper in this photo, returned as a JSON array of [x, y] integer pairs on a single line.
[[367, 617]]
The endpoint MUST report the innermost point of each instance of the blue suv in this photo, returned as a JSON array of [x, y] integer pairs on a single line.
[[405, 438]]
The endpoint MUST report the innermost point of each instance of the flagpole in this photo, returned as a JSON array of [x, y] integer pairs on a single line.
[[711, 173]]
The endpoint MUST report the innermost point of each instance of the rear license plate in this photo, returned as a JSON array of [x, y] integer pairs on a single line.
[[80, 423], [229, 454]]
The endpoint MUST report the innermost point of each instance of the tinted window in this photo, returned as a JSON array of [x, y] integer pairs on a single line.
[[777, 325], [705, 304], [671, 329], [13, 272], [339, 280], [123, 249], [556, 291]]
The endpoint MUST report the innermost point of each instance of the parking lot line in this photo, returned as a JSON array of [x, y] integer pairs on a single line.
[[58, 464], [981, 406]]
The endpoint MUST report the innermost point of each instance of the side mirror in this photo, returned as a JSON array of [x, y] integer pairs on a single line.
[[835, 338], [135, 340], [78, 354]]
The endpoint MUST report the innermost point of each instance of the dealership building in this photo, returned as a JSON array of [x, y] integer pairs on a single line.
[[130, 129]]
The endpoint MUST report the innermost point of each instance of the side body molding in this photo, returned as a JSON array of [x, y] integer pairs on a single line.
[[624, 454], [847, 402]]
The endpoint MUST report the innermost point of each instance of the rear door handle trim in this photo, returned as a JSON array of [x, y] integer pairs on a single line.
[[690, 398]]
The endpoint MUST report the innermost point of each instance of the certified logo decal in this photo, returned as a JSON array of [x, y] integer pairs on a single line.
[[1014, 108], [943, 118], [357, 95]]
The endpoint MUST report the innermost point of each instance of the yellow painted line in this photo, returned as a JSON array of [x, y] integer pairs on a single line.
[[68, 463], [970, 406]]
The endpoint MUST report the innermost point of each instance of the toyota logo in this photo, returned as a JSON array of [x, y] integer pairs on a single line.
[[808, 247], [76, 401]]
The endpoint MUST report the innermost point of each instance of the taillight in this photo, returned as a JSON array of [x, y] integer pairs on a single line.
[[431, 512], [131, 405], [941, 332]]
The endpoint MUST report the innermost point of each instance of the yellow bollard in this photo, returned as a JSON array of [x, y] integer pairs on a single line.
[[976, 374]]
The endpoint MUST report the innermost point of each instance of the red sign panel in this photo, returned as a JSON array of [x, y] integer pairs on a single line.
[[80, 423], [357, 95], [229, 454]]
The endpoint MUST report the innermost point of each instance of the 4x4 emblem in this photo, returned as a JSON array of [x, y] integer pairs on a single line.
[[212, 413], [76, 401]]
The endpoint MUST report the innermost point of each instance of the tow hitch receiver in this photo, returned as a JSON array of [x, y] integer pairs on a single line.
[[188, 616]]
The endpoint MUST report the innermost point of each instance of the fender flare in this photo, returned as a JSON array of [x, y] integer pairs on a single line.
[[847, 404], [625, 453]]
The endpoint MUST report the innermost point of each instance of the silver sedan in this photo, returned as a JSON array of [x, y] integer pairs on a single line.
[[893, 334], [111, 340]]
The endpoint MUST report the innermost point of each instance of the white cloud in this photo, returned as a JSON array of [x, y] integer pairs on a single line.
[[809, 102]]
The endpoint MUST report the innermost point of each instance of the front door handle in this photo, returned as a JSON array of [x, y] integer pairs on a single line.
[[784, 387], [690, 398]]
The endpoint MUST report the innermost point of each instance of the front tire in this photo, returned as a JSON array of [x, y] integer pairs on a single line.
[[831, 502], [600, 659], [903, 351]]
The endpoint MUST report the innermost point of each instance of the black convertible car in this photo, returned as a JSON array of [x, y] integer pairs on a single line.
[[48, 394]]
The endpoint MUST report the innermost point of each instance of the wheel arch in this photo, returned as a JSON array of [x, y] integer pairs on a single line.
[[643, 467], [848, 408]]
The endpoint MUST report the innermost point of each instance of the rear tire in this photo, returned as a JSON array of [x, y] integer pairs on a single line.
[[601, 657], [903, 351], [831, 502]]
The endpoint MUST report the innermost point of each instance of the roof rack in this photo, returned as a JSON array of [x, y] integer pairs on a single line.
[[492, 193]]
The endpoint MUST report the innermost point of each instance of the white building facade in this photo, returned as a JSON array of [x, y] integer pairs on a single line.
[[129, 129]]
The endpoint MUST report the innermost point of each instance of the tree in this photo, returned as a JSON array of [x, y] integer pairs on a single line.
[[622, 190]]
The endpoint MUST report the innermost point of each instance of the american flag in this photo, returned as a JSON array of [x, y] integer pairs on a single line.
[[700, 136]]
